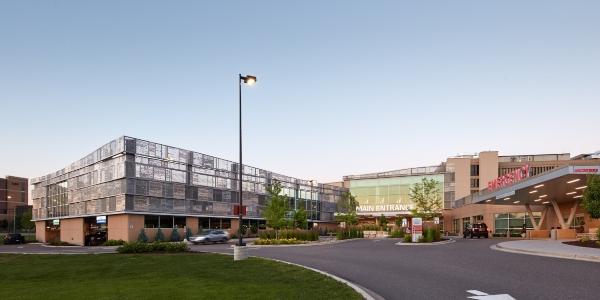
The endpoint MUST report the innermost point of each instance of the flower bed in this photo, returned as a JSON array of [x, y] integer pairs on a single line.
[[291, 241], [140, 247]]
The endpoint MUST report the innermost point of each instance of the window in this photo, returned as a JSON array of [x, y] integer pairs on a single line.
[[166, 222], [150, 221], [512, 223], [180, 222], [474, 170]]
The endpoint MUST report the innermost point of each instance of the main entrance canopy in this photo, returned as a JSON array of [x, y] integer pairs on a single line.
[[563, 185], [556, 190]]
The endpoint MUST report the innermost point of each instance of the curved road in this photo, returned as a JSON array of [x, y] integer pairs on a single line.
[[446, 271]]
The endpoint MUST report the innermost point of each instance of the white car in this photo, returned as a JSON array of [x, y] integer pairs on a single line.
[[210, 236]]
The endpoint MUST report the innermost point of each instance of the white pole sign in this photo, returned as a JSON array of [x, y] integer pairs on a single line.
[[417, 229]]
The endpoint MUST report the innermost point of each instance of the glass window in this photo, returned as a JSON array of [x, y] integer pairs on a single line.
[[166, 222], [180, 222], [150, 221]]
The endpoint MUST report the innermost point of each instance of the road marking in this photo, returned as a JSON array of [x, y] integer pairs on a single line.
[[486, 296]]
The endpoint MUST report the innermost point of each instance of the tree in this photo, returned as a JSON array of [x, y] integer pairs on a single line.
[[26, 222], [383, 222], [160, 237], [346, 209], [591, 196], [427, 198], [142, 236], [175, 235], [276, 207], [300, 218]]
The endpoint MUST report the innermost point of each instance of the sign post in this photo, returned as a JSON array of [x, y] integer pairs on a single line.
[[417, 229]]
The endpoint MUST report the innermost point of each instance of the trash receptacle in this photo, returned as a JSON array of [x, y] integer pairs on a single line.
[[553, 234]]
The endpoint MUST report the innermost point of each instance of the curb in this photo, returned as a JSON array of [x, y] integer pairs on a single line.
[[71, 247], [589, 258], [450, 241], [362, 291], [301, 245]]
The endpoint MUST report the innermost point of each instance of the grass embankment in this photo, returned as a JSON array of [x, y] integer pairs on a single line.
[[161, 276]]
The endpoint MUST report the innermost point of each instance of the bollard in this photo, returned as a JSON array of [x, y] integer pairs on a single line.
[[240, 253]]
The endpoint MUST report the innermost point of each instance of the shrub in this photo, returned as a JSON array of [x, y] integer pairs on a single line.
[[407, 238], [175, 235], [114, 243], [188, 233], [278, 242], [142, 237], [397, 234], [254, 229], [159, 236], [139, 247], [350, 232], [370, 227], [298, 234]]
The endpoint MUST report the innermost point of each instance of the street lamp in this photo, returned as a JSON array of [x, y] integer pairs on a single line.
[[248, 80], [14, 215]]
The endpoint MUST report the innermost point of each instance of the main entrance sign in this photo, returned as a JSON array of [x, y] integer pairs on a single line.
[[509, 178], [400, 208]]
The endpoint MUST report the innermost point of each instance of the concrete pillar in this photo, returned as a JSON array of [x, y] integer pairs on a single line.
[[117, 227], [72, 231], [559, 216], [235, 226], [531, 218], [40, 231], [192, 224]]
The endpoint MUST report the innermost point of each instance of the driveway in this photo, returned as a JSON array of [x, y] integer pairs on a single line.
[[446, 271]]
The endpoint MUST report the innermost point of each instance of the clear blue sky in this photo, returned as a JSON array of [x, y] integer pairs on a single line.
[[344, 87]]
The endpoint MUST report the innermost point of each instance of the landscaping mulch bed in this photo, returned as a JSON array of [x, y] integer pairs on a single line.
[[589, 244]]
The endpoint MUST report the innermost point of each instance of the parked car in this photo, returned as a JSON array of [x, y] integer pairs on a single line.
[[476, 230], [210, 236], [96, 239], [14, 238]]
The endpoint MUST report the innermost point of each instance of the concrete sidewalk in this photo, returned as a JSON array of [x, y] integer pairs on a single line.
[[549, 248]]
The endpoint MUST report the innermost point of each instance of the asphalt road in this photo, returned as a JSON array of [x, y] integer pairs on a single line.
[[422, 272], [444, 271]]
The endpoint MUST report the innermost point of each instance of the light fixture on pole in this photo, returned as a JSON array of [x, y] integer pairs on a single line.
[[249, 80]]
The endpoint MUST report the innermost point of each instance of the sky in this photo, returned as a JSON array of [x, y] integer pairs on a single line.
[[344, 87]]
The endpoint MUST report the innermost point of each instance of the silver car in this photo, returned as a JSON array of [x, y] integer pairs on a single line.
[[210, 236]]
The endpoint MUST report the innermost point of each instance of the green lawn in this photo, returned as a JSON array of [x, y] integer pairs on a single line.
[[160, 276]]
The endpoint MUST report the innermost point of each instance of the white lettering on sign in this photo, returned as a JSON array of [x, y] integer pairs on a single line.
[[384, 207], [486, 296]]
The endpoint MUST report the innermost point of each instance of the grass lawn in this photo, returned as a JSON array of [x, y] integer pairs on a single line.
[[160, 276]]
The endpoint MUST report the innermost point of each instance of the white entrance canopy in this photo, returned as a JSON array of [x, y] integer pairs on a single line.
[[564, 184]]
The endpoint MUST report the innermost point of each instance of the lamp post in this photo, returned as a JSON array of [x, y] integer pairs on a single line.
[[248, 80], [14, 215]]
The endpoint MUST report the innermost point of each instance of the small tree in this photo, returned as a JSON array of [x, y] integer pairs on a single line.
[[188, 233], [26, 222], [175, 235], [300, 218], [427, 199], [346, 209], [142, 236], [591, 196], [383, 222], [276, 207], [159, 236]]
